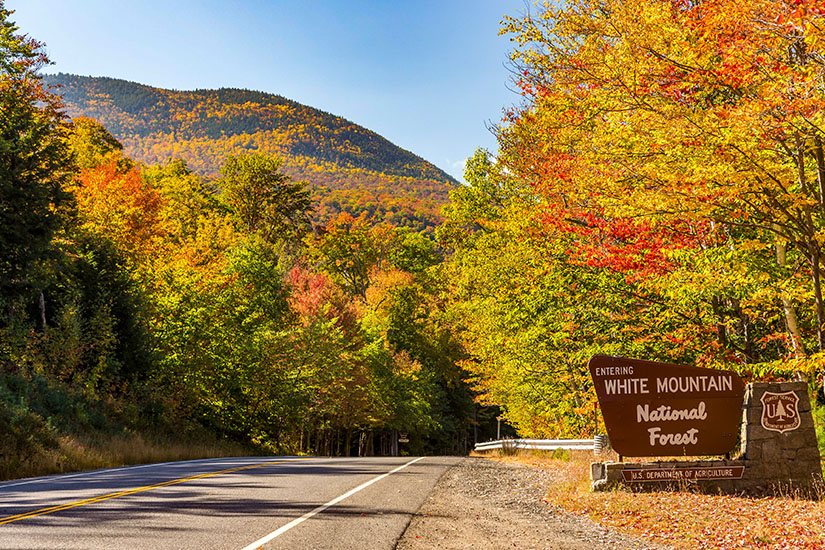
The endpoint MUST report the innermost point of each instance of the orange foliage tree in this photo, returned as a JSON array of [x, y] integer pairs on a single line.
[[120, 204]]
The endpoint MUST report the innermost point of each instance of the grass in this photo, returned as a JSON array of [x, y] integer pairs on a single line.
[[72, 453], [684, 519], [49, 427]]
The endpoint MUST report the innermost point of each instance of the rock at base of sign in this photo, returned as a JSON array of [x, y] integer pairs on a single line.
[[601, 485]]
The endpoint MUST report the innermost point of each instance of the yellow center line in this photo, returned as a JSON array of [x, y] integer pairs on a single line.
[[92, 500]]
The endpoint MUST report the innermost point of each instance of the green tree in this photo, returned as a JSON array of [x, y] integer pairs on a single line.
[[529, 318], [351, 248], [191, 206], [262, 199], [33, 158]]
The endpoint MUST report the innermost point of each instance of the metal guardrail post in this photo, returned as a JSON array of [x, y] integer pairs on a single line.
[[601, 444]]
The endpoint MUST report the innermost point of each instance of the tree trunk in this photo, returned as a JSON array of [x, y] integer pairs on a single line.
[[43, 310], [820, 171], [814, 252], [815, 256], [787, 307], [744, 323], [721, 329], [362, 439]]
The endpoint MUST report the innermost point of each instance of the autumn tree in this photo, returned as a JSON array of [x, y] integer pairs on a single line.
[[666, 134], [351, 248], [122, 206], [526, 316], [91, 144]]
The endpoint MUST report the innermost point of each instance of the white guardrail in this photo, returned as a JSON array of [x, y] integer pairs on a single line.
[[539, 444]]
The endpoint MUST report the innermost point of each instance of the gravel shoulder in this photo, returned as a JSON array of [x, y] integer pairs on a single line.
[[483, 503]]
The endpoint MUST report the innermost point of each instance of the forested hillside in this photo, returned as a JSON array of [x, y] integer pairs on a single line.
[[350, 168], [149, 307]]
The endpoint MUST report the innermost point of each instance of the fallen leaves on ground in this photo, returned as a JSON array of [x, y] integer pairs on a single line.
[[688, 520]]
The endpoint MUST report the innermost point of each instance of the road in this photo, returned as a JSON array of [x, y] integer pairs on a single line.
[[233, 504]]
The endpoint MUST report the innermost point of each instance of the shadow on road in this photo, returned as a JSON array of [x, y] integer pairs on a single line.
[[255, 492]]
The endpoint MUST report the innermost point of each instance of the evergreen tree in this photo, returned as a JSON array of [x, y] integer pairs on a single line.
[[33, 159]]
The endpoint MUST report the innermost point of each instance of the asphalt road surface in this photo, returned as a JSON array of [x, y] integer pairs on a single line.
[[233, 504]]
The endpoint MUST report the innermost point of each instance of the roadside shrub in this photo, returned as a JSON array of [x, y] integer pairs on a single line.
[[24, 437]]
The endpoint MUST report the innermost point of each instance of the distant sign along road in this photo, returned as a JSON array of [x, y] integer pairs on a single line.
[[235, 503]]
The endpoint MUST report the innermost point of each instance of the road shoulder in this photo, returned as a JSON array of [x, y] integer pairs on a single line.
[[482, 503]]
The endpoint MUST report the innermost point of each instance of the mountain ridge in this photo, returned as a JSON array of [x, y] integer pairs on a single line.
[[352, 168]]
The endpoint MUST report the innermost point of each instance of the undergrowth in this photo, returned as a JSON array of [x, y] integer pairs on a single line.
[[47, 427]]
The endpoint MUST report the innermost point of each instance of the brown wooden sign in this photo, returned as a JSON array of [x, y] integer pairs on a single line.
[[682, 474], [660, 409]]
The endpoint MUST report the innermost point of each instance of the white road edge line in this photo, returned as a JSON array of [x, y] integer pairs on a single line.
[[104, 471], [81, 474], [260, 542]]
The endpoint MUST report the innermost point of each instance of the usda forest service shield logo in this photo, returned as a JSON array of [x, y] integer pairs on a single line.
[[780, 412]]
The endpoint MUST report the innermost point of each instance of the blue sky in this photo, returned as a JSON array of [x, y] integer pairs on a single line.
[[427, 75]]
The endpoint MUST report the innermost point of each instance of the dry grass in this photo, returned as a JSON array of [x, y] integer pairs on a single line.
[[77, 454], [684, 519]]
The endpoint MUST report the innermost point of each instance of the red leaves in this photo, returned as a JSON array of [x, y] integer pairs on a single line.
[[637, 248], [314, 296], [801, 10]]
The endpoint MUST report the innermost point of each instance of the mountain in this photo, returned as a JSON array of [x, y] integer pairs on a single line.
[[351, 168]]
